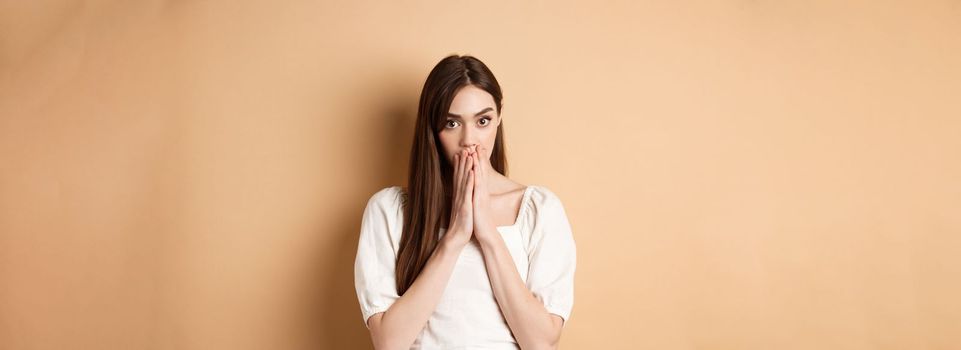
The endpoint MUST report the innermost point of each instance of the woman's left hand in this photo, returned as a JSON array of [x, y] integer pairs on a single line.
[[484, 227]]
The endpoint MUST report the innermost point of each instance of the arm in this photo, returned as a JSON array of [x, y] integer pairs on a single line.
[[532, 325], [404, 319], [530, 322], [398, 327]]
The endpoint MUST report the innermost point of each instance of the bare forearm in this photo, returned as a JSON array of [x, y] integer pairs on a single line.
[[404, 320], [528, 319]]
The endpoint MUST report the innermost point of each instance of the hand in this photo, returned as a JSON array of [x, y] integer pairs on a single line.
[[460, 227], [484, 227]]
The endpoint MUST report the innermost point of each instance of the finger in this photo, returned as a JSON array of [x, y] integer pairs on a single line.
[[477, 165], [480, 161], [465, 197], [469, 168], [459, 178], [455, 197], [465, 168], [455, 164], [462, 167], [470, 184]]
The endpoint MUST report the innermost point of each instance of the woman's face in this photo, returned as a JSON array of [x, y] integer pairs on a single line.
[[471, 122]]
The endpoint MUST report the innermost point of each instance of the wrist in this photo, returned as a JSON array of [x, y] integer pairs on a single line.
[[451, 242], [488, 238], [446, 252], [485, 232]]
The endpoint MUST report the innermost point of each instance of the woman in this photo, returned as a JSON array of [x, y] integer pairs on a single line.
[[464, 256]]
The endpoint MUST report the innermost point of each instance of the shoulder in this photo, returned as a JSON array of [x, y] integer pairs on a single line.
[[387, 198], [549, 217], [543, 197], [545, 205], [384, 215]]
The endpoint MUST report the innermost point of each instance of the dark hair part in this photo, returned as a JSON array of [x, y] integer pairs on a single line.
[[429, 181]]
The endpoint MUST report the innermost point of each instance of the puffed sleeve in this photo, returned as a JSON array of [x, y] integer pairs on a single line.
[[553, 258], [375, 260]]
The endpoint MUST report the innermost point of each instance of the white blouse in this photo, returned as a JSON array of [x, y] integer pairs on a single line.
[[467, 316]]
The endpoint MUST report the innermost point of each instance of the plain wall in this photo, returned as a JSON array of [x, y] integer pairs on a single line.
[[738, 174]]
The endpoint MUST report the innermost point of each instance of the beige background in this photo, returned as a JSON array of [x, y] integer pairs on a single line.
[[739, 175]]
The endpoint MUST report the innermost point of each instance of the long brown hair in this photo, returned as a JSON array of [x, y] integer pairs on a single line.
[[429, 182]]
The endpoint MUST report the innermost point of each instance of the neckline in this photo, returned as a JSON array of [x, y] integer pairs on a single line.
[[520, 213], [522, 210]]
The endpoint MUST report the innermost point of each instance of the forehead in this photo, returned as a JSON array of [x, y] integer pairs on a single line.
[[471, 99]]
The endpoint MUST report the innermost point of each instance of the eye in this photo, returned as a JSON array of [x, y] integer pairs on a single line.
[[448, 123], [486, 120]]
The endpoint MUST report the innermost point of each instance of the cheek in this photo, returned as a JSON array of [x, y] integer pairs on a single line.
[[448, 144], [490, 134], [489, 142]]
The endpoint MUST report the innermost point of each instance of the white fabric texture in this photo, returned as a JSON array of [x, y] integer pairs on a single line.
[[467, 317]]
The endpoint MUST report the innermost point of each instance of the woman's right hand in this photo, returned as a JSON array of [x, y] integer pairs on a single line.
[[460, 227]]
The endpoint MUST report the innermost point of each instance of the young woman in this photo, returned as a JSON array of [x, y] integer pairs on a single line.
[[464, 257]]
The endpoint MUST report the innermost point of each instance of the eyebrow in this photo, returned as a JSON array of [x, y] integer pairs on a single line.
[[485, 110]]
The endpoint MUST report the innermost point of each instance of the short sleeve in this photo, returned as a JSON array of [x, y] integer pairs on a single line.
[[375, 260], [553, 258]]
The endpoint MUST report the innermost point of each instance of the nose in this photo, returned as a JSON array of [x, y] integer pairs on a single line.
[[468, 139]]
